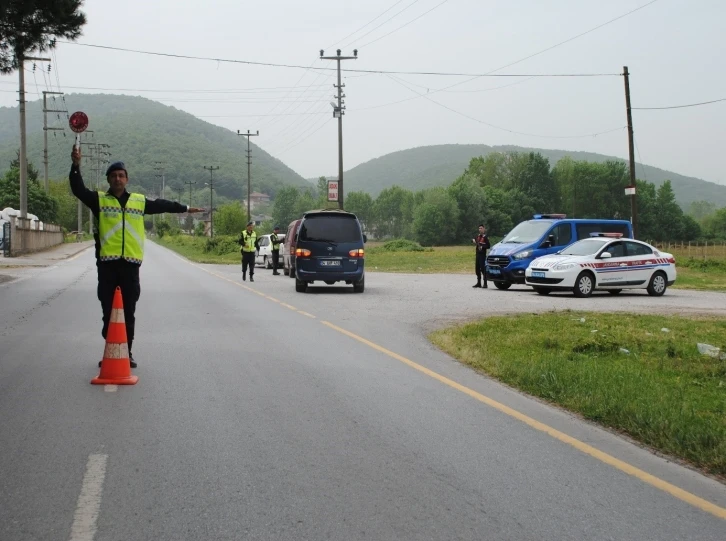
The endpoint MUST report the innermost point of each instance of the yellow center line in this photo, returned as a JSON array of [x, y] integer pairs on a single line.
[[290, 306], [621, 465], [652, 480]]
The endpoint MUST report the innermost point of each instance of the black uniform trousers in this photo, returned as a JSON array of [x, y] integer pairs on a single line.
[[275, 260], [481, 267], [248, 260], [119, 273]]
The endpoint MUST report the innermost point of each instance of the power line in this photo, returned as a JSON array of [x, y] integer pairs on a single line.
[[382, 72], [256, 90], [507, 129], [404, 25], [678, 106], [362, 27], [384, 22]]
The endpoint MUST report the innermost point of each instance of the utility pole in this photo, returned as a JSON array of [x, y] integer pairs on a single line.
[[45, 133], [249, 174], [23, 136], [159, 166], [212, 169], [190, 200], [338, 112], [631, 189]]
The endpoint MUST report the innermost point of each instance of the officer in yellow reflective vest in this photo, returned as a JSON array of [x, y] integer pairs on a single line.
[[249, 246], [119, 235]]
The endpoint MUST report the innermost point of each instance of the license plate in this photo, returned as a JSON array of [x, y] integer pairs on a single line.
[[492, 270], [536, 274], [330, 263]]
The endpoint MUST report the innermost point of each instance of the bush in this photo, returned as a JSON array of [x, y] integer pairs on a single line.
[[403, 245], [221, 245], [705, 265]]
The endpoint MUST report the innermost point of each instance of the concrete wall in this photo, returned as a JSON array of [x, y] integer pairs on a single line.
[[27, 236]]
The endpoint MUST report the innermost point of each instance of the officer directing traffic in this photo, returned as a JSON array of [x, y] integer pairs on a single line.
[[250, 245], [482, 245], [119, 235], [275, 242]]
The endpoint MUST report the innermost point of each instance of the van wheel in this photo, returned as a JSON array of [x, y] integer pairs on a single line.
[[359, 286], [584, 285], [300, 286], [543, 290], [658, 284], [502, 285]]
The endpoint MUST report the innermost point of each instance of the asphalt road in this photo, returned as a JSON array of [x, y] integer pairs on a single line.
[[261, 413]]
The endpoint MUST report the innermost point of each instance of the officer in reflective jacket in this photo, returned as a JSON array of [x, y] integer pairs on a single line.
[[249, 246], [119, 235], [275, 242]]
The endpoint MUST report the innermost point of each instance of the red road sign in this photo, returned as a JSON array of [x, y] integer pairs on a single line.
[[332, 190], [78, 122]]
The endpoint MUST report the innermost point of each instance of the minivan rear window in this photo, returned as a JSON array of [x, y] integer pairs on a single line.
[[330, 229]]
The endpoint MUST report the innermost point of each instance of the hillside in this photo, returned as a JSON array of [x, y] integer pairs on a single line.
[[142, 132], [440, 165]]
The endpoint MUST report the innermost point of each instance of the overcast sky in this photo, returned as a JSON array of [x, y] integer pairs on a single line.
[[673, 48]]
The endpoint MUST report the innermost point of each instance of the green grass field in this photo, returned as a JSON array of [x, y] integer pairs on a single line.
[[663, 393]]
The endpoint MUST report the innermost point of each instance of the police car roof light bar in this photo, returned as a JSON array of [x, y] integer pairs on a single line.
[[612, 235], [554, 216]]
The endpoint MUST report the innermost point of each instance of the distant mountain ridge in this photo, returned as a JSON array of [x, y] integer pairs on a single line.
[[440, 165], [142, 132]]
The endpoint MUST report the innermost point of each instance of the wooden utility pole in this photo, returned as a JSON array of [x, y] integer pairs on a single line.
[[212, 169], [45, 134], [190, 201], [630, 190], [338, 112], [249, 174]]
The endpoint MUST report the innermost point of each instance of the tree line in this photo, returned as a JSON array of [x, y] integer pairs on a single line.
[[503, 189]]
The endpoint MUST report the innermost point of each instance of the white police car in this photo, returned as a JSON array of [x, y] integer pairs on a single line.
[[605, 262]]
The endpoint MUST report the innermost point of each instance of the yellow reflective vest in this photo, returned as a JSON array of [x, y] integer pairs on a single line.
[[121, 230], [248, 242], [275, 241]]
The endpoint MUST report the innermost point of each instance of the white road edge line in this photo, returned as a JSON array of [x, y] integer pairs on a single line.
[[89, 500]]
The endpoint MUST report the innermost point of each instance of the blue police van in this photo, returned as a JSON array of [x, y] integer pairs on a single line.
[[544, 234]]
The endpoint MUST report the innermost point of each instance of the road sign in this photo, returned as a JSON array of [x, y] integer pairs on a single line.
[[332, 190], [630, 190], [78, 123]]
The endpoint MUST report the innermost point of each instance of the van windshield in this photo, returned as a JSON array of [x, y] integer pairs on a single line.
[[327, 228], [585, 247], [527, 232]]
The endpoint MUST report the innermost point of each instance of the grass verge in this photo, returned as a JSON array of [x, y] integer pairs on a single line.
[[193, 248], [663, 392]]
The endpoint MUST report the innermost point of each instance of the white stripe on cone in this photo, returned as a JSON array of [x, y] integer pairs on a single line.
[[116, 351], [117, 316]]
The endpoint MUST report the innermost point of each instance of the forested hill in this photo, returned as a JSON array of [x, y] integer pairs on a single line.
[[440, 165], [142, 132]]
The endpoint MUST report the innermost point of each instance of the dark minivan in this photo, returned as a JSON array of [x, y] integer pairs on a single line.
[[329, 249]]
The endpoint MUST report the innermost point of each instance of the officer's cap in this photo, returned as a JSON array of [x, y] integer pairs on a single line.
[[116, 166]]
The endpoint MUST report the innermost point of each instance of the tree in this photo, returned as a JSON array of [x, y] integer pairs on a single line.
[[471, 203], [360, 204], [39, 203], [436, 219], [715, 224], [230, 219], [669, 217], [29, 25], [304, 203], [393, 211], [67, 215], [700, 209], [283, 211]]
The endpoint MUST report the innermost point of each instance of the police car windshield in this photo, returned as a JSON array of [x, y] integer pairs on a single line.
[[585, 247], [527, 232]]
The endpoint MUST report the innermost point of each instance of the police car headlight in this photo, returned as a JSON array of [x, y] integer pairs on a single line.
[[523, 255], [563, 266]]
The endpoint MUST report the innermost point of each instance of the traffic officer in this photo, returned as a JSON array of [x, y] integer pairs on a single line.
[[250, 244], [275, 242], [482, 245], [119, 235]]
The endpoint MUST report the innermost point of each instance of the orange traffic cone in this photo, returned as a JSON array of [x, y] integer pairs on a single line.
[[116, 365]]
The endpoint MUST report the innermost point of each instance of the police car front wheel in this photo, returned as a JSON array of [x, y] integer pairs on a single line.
[[584, 285], [657, 285]]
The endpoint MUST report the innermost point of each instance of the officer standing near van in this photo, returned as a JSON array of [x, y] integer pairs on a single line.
[[275, 242], [482, 245], [250, 245]]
